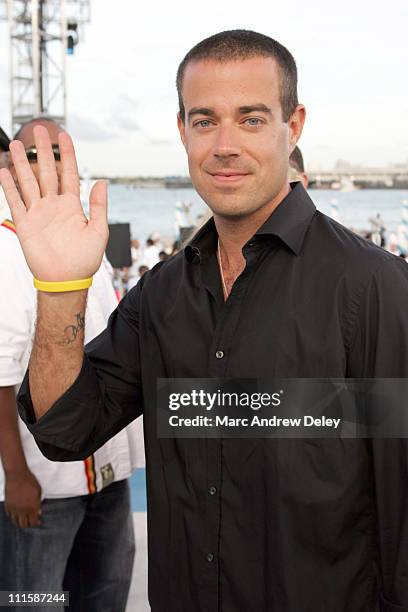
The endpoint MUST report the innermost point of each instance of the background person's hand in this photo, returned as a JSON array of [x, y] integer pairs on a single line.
[[22, 499], [58, 241]]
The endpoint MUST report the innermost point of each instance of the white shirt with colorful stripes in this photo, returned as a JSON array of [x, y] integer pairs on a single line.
[[118, 458]]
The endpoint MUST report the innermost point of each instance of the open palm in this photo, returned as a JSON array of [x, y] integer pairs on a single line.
[[58, 241]]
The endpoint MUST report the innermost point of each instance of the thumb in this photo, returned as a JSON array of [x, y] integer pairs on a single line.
[[98, 202]]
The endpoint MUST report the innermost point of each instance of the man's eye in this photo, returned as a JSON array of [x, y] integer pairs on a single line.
[[253, 121], [202, 123]]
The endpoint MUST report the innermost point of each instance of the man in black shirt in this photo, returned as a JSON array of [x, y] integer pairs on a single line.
[[268, 288]]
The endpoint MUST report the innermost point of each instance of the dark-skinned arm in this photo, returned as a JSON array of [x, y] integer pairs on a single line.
[[22, 492]]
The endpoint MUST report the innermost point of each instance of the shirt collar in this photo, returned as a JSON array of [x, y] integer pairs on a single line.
[[289, 221], [203, 243], [291, 218]]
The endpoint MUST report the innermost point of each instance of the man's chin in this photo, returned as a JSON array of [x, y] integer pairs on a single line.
[[232, 203], [231, 212]]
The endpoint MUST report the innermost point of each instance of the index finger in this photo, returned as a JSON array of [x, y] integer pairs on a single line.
[[69, 168]]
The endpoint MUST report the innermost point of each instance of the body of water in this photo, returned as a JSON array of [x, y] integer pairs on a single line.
[[153, 210]]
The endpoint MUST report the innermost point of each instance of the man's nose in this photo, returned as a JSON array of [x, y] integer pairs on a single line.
[[227, 142]]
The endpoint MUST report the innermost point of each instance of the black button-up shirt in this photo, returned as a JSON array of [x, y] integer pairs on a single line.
[[265, 525]]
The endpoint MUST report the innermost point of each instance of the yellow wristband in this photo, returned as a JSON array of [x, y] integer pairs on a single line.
[[61, 286]]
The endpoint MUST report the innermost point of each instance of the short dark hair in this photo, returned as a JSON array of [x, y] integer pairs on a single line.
[[245, 44], [296, 160]]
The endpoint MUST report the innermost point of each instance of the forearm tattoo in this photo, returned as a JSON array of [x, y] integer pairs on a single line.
[[71, 331]]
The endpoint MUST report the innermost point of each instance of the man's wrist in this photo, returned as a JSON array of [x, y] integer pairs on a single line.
[[16, 471], [64, 297], [63, 286]]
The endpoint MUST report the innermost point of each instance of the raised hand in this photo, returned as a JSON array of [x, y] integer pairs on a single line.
[[58, 241]]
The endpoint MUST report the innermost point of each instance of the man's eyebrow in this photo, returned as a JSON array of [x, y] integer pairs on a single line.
[[243, 110], [207, 112], [251, 108]]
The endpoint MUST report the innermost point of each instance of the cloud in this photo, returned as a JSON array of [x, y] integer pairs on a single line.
[[160, 142], [125, 99], [322, 147], [124, 122], [121, 115], [89, 129]]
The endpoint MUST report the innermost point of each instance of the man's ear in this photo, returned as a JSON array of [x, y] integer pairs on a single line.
[[181, 129], [295, 124]]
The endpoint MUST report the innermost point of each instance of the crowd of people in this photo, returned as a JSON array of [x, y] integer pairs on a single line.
[[143, 259], [146, 257]]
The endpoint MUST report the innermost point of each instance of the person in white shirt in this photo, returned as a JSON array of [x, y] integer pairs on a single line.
[[136, 251], [156, 238], [135, 279], [63, 525], [150, 254], [4, 209], [4, 162]]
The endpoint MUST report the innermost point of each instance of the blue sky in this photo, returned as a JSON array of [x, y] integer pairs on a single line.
[[352, 60]]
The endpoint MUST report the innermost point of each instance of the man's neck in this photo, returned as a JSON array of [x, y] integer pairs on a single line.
[[233, 233]]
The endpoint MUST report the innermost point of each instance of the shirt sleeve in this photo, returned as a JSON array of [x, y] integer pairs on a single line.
[[17, 308], [379, 346], [105, 397], [380, 350]]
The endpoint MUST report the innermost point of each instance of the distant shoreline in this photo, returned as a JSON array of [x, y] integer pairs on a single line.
[[330, 181]]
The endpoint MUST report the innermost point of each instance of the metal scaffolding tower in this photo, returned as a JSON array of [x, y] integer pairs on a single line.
[[42, 33]]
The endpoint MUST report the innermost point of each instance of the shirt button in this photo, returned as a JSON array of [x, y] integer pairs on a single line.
[[219, 354], [210, 557], [212, 490]]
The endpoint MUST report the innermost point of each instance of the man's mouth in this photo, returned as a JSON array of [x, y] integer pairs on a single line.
[[228, 176]]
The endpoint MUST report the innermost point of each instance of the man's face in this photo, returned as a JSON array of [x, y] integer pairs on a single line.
[[237, 144], [27, 138]]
